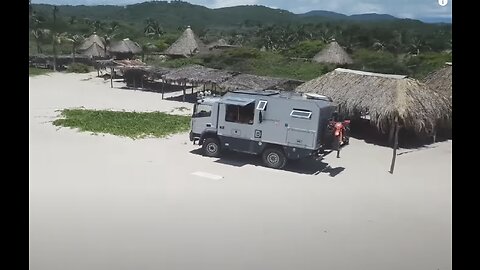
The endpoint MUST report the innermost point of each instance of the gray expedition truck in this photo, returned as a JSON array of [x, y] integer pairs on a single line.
[[276, 125]]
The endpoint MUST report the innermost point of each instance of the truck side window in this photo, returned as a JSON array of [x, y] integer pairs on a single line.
[[240, 114], [299, 113], [262, 105], [202, 110]]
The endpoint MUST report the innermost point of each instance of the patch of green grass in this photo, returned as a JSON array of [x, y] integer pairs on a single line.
[[129, 124], [37, 71]]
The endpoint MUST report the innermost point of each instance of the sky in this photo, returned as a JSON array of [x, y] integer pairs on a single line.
[[414, 9]]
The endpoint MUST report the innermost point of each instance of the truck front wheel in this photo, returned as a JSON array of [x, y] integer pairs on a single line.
[[211, 147], [274, 158]]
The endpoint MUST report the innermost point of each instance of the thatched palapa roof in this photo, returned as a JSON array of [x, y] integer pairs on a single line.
[[154, 73], [219, 44], [333, 54], [198, 74], [254, 82], [384, 96], [93, 46], [126, 46], [186, 45], [441, 80], [122, 64]]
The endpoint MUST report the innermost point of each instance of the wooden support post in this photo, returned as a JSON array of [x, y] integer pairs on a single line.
[[163, 87], [141, 79], [184, 90], [203, 89], [434, 135], [391, 133], [395, 145], [192, 87], [111, 77]]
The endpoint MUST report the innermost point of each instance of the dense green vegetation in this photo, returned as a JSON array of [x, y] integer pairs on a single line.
[[128, 124], [275, 41]]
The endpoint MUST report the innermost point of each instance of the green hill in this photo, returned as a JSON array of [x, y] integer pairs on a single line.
[[377, 42]]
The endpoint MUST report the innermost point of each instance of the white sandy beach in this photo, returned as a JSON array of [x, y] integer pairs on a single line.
[[106, 202]]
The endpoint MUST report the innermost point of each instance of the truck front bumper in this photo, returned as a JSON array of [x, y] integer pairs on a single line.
[[194, 137]]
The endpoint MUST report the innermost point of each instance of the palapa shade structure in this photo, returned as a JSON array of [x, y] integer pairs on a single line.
[[392, 101], [93, 46], [198, 74], [333, 54], [254, 82], [125, 48], [441, 81], [186, 45], [384, 96]]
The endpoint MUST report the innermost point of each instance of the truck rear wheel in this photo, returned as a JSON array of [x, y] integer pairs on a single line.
[[211, 147], [274, 158]]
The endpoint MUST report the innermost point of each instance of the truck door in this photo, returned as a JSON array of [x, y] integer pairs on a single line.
[[203, 118], [235, 124]]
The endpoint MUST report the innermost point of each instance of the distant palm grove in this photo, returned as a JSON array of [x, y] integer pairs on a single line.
[[270, 41]]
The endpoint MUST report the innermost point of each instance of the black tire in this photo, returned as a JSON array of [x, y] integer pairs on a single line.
[[211, 147], [274, 158]]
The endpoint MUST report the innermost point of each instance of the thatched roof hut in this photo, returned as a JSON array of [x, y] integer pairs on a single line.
[[186, 45], [254, 82], [198, 74], [221, 44], [93, 46], [441, 81], [333, 54], [385, 97], [125, 47]]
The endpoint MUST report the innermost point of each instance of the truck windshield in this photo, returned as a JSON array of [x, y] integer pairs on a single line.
[[202, 110]]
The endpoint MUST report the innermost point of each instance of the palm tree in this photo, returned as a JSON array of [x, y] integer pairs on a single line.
[[55, 10], [114, 26], [110, 33], [152, 28], [74, 39], [326, 35], [37, 32], [72, 20], [39, 35], [379, 46], [146, 47], [96, 26], [108, 40], [416, 44]]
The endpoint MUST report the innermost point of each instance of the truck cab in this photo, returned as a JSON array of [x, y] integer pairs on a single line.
[[204, 117]]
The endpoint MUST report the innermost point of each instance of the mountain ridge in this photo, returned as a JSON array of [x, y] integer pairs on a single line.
[[251, 12]]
